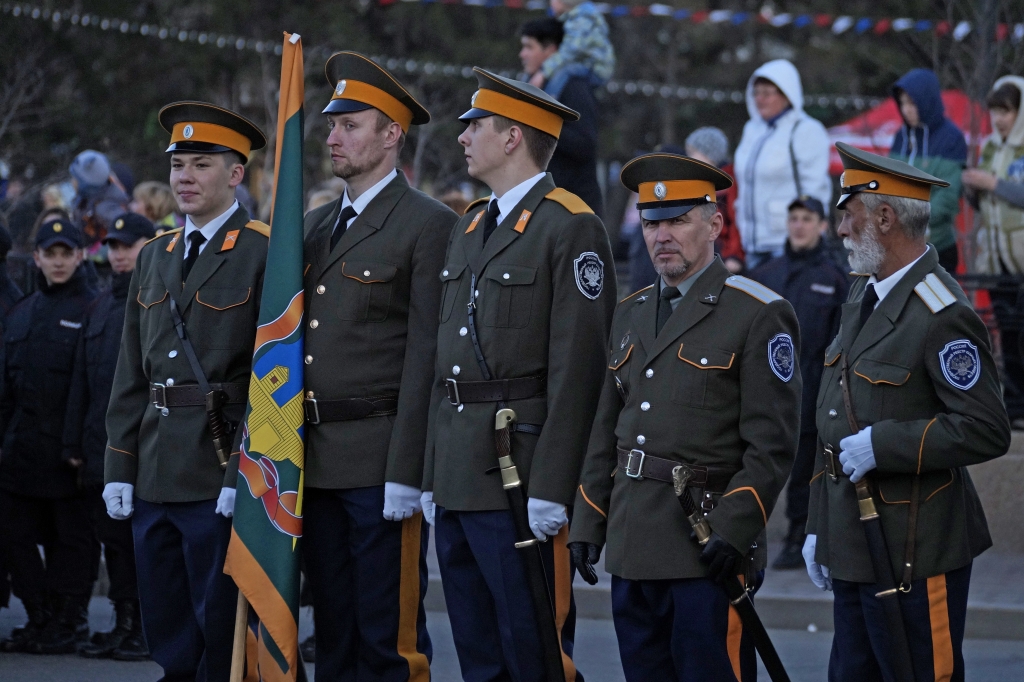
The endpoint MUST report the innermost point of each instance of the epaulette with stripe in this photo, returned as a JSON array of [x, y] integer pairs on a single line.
[[476, 202], [165, 234], [257, 226], [934, 293], [752, 288], [569, 201], [650, 286]]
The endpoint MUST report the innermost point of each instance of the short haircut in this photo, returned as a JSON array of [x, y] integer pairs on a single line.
[[539, 144], [546, 31], [232, 157], [1006, 96], [383, 121], [912, 214]]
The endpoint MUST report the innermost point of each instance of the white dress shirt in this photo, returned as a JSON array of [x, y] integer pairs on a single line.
[[889, 283], [207, 230], [509, 199], [365, 198]]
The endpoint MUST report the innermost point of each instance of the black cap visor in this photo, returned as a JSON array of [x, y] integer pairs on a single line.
[[345, 106], [123, 237], [844, 198], [58, 239], [667, 210], [199, 148], [476, 113]]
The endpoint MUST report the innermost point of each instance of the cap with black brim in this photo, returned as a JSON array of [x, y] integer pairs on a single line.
[[58, 231], [671, 185], [128, 228], [204, 128], [867, 172], [518, 101], [360, 83]]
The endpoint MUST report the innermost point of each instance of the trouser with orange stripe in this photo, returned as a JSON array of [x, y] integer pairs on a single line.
[[489, 606], [934, 613], [368, 577], [678, 631]]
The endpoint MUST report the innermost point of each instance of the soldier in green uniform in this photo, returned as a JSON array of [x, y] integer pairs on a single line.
[[528, 295], [703, 371], [161, 466], [372, 287], [924, 393]]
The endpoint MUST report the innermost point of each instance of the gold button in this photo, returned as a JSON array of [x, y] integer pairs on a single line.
[[309, 359], [313, 324], [321, 289]]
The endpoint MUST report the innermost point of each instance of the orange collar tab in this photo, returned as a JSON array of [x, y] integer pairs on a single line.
[[170, 246], [524, 218], [476, 221], [230, 239]]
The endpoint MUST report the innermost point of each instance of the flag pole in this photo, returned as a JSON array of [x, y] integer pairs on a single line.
[[238, 644]]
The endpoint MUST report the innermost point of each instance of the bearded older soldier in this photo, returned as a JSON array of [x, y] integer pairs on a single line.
[[908, 399]]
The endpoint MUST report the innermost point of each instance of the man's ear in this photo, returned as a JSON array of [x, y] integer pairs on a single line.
[[513, 139], [237, 175], [885, 218], [717, 223], [392, 134]]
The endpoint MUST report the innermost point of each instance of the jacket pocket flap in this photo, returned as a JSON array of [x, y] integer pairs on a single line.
[[150, 296], [509, 275], [897, 489], [223, 298], [619, 358], [451, 272], [705, 358], [878, 372], [832, 354], [369, 272]]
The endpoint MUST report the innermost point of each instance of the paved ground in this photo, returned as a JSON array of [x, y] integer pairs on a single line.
[[804, 653]]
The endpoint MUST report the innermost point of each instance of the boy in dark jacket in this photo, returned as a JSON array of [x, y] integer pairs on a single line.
[[811, 281], [930, 141], [41, 496], [85, 436]]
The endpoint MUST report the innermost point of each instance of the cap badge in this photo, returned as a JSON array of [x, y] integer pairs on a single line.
[[188, 132], [340, 87], [660, 191], [119, 224], [57, 227]]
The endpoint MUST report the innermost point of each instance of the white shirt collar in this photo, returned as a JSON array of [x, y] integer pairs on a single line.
[[209, 229], [509, 199], [366, 197], [889, 283]]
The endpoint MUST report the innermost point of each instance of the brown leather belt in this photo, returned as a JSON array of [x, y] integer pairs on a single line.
[[639, 465], [190, 395], [492, 391], [349, 409]]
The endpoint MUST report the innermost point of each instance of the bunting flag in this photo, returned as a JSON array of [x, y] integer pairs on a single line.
[[263, 555]]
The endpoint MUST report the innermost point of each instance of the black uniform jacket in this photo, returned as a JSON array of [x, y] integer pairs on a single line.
[[39, 353], [171, 458], [372, 307], [547, 293], [719, 387]]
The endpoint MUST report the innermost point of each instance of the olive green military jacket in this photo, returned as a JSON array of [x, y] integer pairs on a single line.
[[720, 386], [171, 458], [547, 293], [922, 376], [371, 306]]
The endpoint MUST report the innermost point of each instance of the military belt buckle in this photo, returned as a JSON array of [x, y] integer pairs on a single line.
[[312, 411], [830, 464], [638, 472], [159, 402], [453, 390]]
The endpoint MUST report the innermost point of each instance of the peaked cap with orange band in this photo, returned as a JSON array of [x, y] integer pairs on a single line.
[[204, 128], [360, 83], [867, 172], [521, 102], [669, 185]]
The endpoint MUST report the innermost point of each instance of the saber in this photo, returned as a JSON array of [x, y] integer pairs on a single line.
[[737, 594]]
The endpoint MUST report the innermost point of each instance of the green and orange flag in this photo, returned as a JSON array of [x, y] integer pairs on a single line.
[[263, 555]]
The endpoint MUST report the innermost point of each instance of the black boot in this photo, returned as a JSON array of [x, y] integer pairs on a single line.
[[133, 646], [103, 644], [21, 638], [308, 649], [67, 630], [792, 556]]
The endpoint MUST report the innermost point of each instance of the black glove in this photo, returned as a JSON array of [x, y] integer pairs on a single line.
[[584, 555], [724, 561]]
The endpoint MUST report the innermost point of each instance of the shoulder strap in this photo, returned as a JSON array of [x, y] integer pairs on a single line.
[[257, 226], [934, 293], [476, 202], [792, 159], [569, 201], [752, 288]]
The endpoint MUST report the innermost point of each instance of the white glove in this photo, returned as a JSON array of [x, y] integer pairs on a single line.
[[118, 498], [857, 455], [427, 502], [820, 575], [400, 501], [546, 518], [226, 502]]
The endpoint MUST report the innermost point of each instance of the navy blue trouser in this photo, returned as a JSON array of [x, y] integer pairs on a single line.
[[489, 605], [368, 577], [934, 613], [680, 630], [187, 602]]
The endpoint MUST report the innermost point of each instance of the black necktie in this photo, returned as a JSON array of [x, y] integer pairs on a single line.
[[195, 240], [668, 294], [491, 219], [347, 214], [867, 304]]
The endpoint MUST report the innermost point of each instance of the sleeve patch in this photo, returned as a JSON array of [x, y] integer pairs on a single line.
[[752, 288], [589, 274], [782, 356], [961, 364]]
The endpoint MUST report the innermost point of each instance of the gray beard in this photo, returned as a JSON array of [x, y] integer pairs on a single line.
[[675, 271], [867, 254]]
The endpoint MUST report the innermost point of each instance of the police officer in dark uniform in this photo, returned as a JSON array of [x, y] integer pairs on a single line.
[[41, 496], [85, 435], [10, 294], [534, 268], [161, 467], [703, 372], [372, 288]]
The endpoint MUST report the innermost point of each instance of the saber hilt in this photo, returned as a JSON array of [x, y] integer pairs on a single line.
[[681, 477], [215, 401]]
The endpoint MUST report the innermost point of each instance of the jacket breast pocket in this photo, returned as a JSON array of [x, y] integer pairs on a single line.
[[365, 291], [831, 371], [219, 315], [705, 377], [154, 315], [876, 388], [508, 295], [618, 362], [451, 283]]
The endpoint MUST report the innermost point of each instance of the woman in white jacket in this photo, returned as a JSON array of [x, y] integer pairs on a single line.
[[782, 155]]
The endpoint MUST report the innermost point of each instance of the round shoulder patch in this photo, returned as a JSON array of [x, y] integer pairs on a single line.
[[589, 274], [782, 356], [961, 364]]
